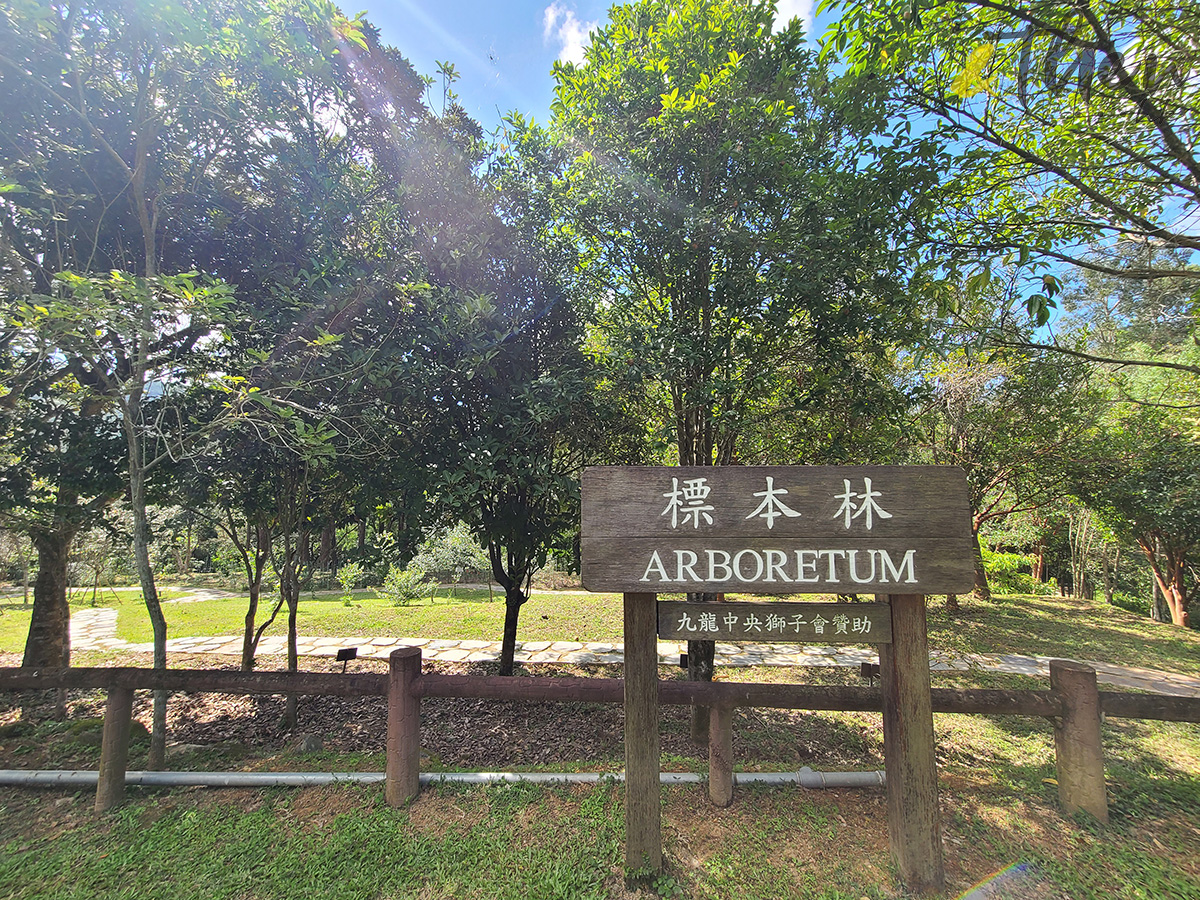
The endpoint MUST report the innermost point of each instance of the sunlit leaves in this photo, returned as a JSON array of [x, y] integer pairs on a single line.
[[722, 184], [1068, 124], [972, 79]]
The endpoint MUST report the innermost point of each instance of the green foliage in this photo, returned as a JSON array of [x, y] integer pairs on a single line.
[[1143, 480], [1066, 123], [349, 576], [742, 217], [405, 586], [1013, 420], [451, 552], [1008, 573]]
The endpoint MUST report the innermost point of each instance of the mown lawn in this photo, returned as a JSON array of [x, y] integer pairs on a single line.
[[1056, 626], [999, 803], [1045, 626], [522, 841], [468, 615]]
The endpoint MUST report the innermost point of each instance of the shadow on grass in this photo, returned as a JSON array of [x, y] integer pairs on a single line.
[[442, 597], [1065, 628], [15, 607], [1144, 778]]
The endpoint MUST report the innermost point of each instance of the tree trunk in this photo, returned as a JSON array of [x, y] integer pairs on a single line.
[[291, 713], [289, 584], [25, 576], [982, 591], [1159, 611], [514, 599], [701, 664], [49, 642], [1108, 574], [952, 605], [325, 554], [1177, 602], [158, 623], [248, 641], [1168, 566], [254, 571]]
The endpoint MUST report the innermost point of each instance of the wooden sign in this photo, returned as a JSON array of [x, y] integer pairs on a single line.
[[804, 623], [777, 529]]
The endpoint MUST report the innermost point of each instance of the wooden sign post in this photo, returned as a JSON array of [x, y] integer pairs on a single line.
[[900, 532]]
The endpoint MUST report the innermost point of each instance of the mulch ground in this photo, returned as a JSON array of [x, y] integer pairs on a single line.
[[483, 735]]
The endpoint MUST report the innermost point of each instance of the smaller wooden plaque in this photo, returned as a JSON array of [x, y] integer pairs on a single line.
[[800, 623]]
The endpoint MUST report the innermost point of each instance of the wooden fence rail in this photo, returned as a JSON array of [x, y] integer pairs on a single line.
[[1077, 731], [980, 701]]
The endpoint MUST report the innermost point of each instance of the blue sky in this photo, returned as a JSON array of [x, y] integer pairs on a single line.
[[502, 49]]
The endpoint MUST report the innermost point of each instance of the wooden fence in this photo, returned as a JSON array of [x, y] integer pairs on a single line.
[[1073, 701]]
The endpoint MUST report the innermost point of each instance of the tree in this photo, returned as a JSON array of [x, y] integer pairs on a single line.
[[719, 184], [1064, 126], [1143, 480], [1013, 421], [62, 468], [451, 553], [739, 208], [228, 480], [1128, 316], [122, 339], [510, 463], [131, 105]]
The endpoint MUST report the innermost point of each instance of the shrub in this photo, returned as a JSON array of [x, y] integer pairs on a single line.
[[1008, 573], [403, 586], [348, 577], [452, 554]]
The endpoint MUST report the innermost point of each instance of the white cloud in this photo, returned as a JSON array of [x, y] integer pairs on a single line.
[[790, 9], [561, 26]]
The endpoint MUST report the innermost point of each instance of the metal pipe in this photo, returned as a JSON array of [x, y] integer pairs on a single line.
[[806, 777]]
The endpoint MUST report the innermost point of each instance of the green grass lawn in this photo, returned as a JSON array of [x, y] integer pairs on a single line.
[[1074, 629], [1044, 626], [566, 843], [468, 615], [999, 805]]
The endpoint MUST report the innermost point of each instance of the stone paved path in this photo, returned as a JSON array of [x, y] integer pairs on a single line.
[[96, 629]]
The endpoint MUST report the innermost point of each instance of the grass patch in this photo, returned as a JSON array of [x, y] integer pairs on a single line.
[[1074, 629], [520, 841], [469, 615], [525, 841], [509, 842], [1045, 626], [14, 626], [1021, 624]]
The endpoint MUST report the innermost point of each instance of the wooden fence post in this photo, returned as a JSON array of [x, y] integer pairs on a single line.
[[914, 820], [114, 749], [402, 781], [720, 754], [643, 803], [1078, 750]]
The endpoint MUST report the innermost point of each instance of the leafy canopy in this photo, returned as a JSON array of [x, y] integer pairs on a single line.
[[1069, 124]]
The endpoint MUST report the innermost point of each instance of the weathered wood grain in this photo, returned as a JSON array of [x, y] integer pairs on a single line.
[[638, 534], [720, 755], [197, 680], [643, 806], [914, 818], [1078, 748], [402, 781], [777, 622], [114, 749]]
